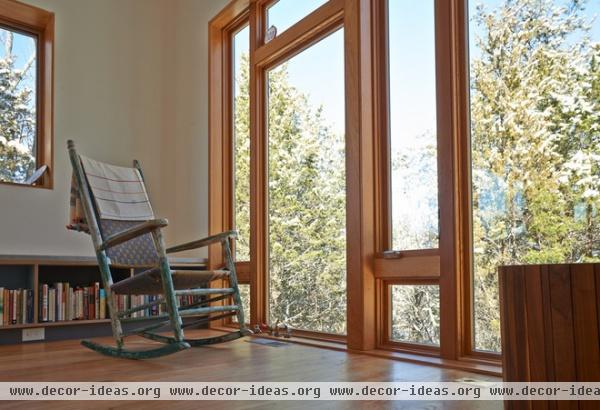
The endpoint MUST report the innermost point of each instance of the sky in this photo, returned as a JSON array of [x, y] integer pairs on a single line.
[[23, 48], [319, 70]]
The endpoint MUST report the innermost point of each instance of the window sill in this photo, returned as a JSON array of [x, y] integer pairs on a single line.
[[470, 365], [15, 184]]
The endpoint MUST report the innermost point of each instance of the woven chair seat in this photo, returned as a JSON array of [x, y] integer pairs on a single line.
[[148, 282]]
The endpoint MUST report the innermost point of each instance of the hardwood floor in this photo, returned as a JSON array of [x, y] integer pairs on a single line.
[[240, 360]]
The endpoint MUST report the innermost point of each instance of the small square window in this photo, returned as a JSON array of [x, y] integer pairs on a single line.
[[415, 314]]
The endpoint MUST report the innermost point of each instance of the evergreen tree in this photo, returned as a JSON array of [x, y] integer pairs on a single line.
[[535, 145], [17, 115]]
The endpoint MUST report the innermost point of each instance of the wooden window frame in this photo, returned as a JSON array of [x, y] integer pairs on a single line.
[[370, 267], [419, 266], [39, 23], [304, 33], [463, 255]]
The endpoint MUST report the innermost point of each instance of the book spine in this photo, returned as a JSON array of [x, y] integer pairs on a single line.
[[24, 314], [58, 287], [80, 302], [6, 318], [30, 306], [102, 306], [91, 303], [97, 300], [45, 303], [76, 304], [63, 301], [67, 301], [86, 302], [51, 304], [1, 306], [71, 304], [13, 307]]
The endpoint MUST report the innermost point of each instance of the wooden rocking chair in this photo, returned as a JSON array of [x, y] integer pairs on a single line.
[[139, 242]]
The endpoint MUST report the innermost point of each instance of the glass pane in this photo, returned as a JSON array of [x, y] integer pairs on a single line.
[[413, 143], [416, 314], [18, 68], [535, 145], [245, 294], [241, 141], [283, 14], [307, 195]]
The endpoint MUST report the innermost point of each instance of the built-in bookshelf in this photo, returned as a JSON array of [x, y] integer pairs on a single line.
[[77, 301]]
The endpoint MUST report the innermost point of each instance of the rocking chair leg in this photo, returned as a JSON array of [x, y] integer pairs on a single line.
[[237, 300], [112, 310], [168, 288]]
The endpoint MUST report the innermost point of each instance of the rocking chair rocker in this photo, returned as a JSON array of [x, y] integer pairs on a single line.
[[110, 203]]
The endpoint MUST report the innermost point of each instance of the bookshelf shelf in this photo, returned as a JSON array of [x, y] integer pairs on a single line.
[[54, 324], [31, 272]]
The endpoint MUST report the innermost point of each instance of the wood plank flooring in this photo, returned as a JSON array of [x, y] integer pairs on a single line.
[[234, 361]]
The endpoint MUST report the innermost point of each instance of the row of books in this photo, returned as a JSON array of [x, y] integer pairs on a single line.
[[124, 302], [61, 302], [16, 306]]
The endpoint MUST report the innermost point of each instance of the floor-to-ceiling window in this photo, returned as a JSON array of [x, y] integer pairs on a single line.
[[412, 303], [535, 142], [307, 188], [389, 155]]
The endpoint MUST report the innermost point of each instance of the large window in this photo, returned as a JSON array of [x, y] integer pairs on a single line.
[[535, 142], [411, 267], [25, 95], [402, 150], [306, 186]]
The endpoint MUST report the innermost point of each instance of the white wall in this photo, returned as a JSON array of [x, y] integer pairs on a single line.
[[130, 82]]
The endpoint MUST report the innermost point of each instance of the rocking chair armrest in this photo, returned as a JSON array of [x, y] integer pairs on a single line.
[[200, 243], [133, 232]]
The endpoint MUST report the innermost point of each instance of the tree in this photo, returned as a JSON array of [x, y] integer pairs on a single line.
[[416, 313], [17, 115], [535, 145], [307, 219]]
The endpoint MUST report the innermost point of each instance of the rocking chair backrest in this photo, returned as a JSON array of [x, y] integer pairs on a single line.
[[118, 200]]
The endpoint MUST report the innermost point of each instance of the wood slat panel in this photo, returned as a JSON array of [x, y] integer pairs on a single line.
[[597, 271], [585, 322], [548, 341], [562, 323], [513, 311], [561, 307], [535, 323], [534, 312], [551, 327]]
